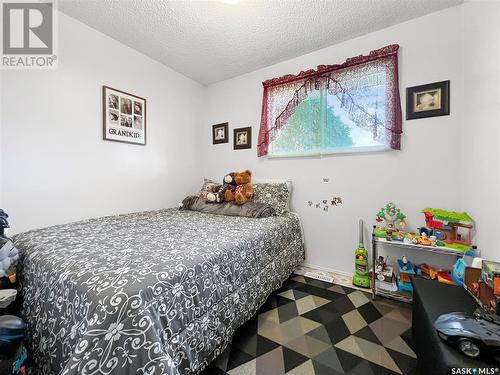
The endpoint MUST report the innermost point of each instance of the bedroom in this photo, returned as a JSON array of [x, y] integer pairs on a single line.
[[185, 78]]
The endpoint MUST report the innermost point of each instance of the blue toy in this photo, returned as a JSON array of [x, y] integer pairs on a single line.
[[406, 268], [458, 271], [404, 286]]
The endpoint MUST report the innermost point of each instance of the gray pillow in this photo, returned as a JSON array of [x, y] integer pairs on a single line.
[[249, 209], [275, 194]]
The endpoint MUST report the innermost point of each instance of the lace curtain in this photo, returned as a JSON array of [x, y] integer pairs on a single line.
[[336, 107]]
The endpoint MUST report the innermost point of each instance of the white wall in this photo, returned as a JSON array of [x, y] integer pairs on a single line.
[[426, 172], [481, 134], [56, 167]]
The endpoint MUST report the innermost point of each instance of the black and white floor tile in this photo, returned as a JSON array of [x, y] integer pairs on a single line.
[[311, 327]]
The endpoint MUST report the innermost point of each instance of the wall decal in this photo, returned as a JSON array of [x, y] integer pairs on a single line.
[[325, 204]]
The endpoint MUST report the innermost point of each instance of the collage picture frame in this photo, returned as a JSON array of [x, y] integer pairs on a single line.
[[124, 116]]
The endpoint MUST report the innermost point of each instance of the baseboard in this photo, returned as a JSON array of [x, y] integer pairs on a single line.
[[327, 269], [339, 277]]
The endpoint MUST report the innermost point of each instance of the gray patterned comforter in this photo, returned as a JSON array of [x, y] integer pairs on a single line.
[[157, 292]]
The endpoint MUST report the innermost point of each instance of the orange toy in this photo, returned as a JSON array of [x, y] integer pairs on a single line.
[[445, 277], [424, 240], [429, 270]]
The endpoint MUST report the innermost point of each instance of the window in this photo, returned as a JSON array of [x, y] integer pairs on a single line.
[[341, 108]]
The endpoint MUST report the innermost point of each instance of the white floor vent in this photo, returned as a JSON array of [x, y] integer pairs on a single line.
[[319, 276]]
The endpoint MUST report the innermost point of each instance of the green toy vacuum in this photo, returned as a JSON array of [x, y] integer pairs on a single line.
[[361, 276]]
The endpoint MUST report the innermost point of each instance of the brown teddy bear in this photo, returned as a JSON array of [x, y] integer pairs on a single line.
[[244, 189]]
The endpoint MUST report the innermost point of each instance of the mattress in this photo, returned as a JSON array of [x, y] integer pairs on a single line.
[[157, 292]]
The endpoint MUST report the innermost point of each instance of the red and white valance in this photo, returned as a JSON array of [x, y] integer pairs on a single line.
[[282, 95]]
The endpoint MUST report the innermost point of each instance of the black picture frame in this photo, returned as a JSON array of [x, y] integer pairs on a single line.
[[215, 128], [416, 94], [238, 138], [135, 111]]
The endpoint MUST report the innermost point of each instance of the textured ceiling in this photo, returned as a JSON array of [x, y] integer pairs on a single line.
[[210, 41]]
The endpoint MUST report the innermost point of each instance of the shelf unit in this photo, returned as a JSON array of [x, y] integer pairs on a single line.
[[402, 296]]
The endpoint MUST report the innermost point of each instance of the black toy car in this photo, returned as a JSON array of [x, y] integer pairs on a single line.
[[474, 336]]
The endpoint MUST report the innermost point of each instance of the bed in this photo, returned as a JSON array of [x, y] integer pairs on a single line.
[[157, 292]]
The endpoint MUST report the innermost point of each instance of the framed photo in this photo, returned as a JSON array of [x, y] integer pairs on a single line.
[[124, 116], [220, 133], [242, 138], [428, 100]]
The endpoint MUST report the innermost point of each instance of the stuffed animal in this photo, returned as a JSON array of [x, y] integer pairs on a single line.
[[207, 188], [229, 182], [216, 195], [8, 256], [244, 189]]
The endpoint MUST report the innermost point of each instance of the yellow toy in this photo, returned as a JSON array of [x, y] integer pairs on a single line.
[[424, 240]]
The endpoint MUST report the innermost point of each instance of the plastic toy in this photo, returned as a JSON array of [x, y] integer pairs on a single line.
[[481, 290], [399, 236], [394, 219], [411, 239], [475, 289], [433, 240], [404, 264], [474, 336], [417, 270], [445, 277], [361, 275], [429, 270], [424, 240], [445, 226], [404, 286], [491, 275], [406, 268], [381, 264], [458, 271]]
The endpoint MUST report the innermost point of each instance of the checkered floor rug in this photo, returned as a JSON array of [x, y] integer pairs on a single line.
[[313, 327]]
